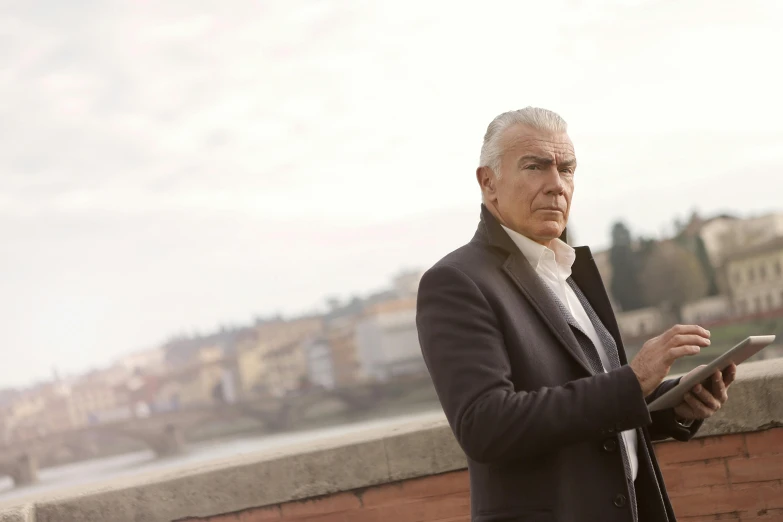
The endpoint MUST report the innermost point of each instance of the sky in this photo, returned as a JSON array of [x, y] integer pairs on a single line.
[[169, 167]]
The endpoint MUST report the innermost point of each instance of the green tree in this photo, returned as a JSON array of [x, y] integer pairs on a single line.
[[672, 275], [625, 270]]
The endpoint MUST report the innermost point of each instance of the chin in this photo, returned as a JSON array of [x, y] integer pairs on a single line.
[[550, 231]]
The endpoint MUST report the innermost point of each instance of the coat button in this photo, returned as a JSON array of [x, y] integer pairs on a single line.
[[620, 500], [610, 445]]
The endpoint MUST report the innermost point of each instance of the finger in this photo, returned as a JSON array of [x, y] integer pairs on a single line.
[[681, 351], [687, 329], [689, 339], [706, 397], [730, 374], [700, 411], [719, 388]]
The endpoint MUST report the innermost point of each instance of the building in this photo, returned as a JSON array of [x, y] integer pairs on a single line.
[[387, 340], [320, 365], [707, 310], [198, 384], [755, 278], [274, 334], [406, 283], [91, 397], [332, 358], [255, 365], [17, 410], [726, 236], [151, 361], [45, 408], [285, 369], [250, 366], [603, 262], [645, 322], [341, 336]]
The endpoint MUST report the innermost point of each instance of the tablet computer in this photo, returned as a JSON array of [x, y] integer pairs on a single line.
[[744, 350]]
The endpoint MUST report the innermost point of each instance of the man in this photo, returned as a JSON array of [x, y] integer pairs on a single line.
[[522, 345]]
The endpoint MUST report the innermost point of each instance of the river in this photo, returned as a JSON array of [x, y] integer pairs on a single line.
[[93, 472]]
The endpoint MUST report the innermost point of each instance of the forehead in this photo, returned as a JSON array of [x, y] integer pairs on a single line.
[[520, 140]]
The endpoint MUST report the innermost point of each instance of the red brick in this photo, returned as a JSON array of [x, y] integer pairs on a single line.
[[228, 517], [758, 469], [764, 515], [765, 442], [718, 499], [259, 514], [700, 449], [423, 510], [382, 495], [772, 495], [686, 476], [343, 516], [710, 518], [436, 485], [322, 505], [444, 484]]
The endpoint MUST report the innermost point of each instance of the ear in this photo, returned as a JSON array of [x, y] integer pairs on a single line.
[[488, 183]]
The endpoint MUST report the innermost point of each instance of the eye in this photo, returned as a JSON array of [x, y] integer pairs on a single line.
[[532, 167]]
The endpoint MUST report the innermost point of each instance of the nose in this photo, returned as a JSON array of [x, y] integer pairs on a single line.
[[554, 183]]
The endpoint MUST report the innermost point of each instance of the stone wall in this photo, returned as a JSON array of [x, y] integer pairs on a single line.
[[416, 473]]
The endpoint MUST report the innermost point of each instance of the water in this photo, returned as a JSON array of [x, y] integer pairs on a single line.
[[94, 472]]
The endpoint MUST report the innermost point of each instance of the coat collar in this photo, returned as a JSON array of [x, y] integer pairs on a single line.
[[530, 285]]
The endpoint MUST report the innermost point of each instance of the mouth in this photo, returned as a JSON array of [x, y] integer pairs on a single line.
[[551, 209]]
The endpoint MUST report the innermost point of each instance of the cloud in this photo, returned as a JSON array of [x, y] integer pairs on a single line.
[[166, 166]]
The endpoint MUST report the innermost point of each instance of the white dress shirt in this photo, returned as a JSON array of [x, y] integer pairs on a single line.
[[553, 266]]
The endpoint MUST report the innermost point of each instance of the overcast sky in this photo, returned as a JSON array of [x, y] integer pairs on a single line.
[[167, 167]]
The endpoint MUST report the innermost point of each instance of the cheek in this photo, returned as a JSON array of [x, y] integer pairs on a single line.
[[520, 197]]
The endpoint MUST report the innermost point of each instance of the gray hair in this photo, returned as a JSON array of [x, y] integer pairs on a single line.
[[539, 119]]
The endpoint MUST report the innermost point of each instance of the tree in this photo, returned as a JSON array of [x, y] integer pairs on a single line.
[[625, 270], [672, 275]]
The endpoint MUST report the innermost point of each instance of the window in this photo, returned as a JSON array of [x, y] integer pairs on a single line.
[[737, 277], [742, 305], [751, 274], [770, 302], [778, 269], [757, 302], [763, 272]]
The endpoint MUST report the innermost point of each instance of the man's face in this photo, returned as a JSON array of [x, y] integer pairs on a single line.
[[533, 193]]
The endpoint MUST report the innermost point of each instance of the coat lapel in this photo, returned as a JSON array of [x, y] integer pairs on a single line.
[[587, 277], [530, 285]]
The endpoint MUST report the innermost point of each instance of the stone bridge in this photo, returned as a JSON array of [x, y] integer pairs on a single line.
[[164, 432]]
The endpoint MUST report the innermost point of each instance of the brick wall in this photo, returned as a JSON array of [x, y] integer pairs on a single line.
[[730, 477], [437, 498]]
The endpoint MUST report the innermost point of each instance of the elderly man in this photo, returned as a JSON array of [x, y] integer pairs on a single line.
[[526, 356]]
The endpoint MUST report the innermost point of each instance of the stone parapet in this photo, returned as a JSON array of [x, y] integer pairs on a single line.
[[415, 471]]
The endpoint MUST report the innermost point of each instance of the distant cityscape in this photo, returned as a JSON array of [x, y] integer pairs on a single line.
[[714, 271]]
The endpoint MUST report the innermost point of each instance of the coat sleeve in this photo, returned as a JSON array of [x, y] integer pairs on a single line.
[[664, 423], [466, 356]]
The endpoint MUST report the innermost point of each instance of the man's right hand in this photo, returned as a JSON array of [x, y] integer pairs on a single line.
[[653, 362]]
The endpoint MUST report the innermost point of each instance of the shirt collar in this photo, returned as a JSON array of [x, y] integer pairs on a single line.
[[534, 252]]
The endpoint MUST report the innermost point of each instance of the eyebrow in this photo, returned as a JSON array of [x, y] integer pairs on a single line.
[[546, 160]]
